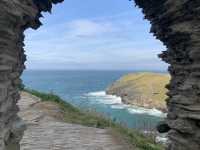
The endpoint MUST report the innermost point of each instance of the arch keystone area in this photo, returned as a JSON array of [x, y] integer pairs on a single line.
[[175, 22]]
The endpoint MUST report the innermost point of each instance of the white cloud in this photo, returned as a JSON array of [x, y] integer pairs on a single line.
[[95, 43], [88, 28]]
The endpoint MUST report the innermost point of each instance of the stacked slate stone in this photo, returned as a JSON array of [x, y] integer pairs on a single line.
[[177, 24], [16, 16]]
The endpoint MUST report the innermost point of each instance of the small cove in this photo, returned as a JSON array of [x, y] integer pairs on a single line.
[[86, 89]]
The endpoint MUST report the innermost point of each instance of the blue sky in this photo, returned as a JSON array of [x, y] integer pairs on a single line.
[[94, 34]]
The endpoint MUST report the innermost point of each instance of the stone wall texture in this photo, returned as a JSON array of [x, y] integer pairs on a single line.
[[175, 22], [15, 17]]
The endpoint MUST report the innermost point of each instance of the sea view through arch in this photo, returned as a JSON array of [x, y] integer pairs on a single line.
[[86, 89]]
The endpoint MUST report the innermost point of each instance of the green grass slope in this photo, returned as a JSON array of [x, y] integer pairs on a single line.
[[144, 89], [71, 114]]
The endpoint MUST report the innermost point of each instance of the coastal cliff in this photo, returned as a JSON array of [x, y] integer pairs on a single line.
[[143, 89]]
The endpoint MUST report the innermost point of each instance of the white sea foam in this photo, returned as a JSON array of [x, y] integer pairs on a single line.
[[116, 103], [141, 110], [104, 98], [118, 106], [99, 93]]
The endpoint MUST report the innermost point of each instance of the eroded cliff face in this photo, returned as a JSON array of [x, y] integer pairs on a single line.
[[177, 24], [143, 89], [16, 16]]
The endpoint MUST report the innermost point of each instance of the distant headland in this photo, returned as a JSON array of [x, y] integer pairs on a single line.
[[143, 89]]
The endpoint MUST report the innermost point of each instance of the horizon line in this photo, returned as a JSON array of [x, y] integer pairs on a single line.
[[136, 70]]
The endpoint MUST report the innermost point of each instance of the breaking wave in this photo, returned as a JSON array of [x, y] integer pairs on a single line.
[[115, 102], [102, 97]]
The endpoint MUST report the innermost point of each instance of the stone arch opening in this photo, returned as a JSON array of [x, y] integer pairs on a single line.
[[174, 22], [49, 40]]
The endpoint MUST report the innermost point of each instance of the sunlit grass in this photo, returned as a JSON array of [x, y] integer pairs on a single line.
[[144, 86]]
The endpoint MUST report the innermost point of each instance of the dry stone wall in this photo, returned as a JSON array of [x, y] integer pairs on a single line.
[[15, 17], [177, 24]]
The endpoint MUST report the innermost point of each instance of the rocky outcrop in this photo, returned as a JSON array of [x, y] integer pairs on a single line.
[[16, 16], [143, 89], [176, 24]]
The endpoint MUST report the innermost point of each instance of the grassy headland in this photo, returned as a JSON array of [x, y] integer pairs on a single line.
[[71, 114], [145, 89]]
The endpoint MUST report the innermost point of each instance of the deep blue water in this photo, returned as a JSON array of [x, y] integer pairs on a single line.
[[85, 89]]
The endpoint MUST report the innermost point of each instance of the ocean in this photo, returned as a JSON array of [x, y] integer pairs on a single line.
[[86, 89]]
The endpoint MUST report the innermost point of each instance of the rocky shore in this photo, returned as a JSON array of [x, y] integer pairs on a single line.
[[144, 89]]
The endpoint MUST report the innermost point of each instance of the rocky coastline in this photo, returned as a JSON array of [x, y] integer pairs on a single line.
[[143, 89]]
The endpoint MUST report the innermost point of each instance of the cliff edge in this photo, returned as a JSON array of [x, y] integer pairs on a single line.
[[144, 89]]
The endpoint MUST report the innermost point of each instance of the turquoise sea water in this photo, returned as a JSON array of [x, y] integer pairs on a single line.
[[86, 89]]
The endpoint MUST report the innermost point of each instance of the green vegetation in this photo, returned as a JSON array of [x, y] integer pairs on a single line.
[[93, 119], [143, 88]]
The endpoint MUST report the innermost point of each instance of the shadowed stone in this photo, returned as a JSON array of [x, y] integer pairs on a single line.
[[16, 16], [163, 127], [176, 24]]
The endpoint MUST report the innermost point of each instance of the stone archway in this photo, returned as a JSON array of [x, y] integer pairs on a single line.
[[174, 22]]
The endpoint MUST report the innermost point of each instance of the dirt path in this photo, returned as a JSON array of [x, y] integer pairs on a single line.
[[44, 132]]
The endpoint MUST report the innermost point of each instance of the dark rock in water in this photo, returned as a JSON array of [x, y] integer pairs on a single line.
[[163, 127]]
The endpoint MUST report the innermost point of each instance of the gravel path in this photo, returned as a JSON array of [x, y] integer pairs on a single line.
[[45, 132]]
